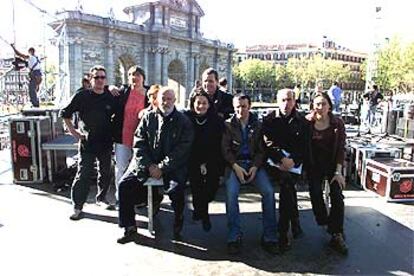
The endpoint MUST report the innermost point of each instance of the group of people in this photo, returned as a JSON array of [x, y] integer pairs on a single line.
[[217, 136]]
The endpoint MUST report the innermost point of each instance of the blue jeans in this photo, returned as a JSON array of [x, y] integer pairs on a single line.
[[268, 206]]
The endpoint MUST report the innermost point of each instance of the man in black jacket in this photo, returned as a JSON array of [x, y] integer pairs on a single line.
[[286, 136], [164, 139], [222, 102], [96, 107]]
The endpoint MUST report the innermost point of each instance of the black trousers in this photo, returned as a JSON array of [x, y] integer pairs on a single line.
[[132, 191], [203, 188], [335, 219], [86, 169], [288, 202]]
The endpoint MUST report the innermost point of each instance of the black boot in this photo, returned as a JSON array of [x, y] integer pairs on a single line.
[[297, 231], [206, 223], [338, 243], [178, 225], [284, 243], [130, 235]]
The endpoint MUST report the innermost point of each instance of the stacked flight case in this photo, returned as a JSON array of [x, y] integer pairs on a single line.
[[26, 137], [56, 125], [392, 179]]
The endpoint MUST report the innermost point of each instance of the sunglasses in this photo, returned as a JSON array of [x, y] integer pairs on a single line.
[[99, 77]]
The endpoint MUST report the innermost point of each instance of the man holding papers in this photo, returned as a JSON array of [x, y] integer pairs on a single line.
[[286, 137]]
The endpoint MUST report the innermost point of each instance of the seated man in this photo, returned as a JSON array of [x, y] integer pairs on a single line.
[[243, 150], [164, 138]]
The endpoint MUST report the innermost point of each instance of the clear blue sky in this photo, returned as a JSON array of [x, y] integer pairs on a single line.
[[349, 22]]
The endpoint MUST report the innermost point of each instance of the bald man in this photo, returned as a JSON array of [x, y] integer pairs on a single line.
[[163, 143], [286, 137]]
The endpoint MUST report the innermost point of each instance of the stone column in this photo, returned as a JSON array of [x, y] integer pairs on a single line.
[[75, 63], [165, 63], [190, 75], [109, 63], [196, 60], [157, 66], [229, 71]]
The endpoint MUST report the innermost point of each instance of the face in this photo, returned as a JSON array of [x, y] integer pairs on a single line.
[[166, 101], [98, 79], [210, 83], [241, 108], [136, 78], [201, 105], [86, 84], [153, 99], [320, 106], [31, 52], [286, 101]]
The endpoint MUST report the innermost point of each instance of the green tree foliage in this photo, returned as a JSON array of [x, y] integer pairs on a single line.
[[395, 67], [256, 73]]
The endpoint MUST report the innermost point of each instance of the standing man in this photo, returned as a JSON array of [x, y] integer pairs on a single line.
[[335, 93], [242, 146], [96, 107], [221, 101], [286, 136], [373, 97], [35, 73], [164, 139]]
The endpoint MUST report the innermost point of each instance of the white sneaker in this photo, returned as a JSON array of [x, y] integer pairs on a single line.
[[77, 214]]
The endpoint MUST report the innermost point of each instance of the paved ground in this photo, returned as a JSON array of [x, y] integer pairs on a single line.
[[37, 238]]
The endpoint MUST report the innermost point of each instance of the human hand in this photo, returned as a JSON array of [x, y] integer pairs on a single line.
[[113, 90], [203, 169], [340, 179], [155, 171], [252, 174], [79, 136], [287, 163], [240, 173]]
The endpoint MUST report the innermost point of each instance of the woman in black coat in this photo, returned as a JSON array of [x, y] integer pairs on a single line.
[[206, 157]]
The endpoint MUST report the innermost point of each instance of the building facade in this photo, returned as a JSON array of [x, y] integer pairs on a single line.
[[163, 37], [328, 49], [13, 84]]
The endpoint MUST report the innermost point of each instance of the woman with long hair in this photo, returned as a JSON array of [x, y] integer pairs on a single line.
[[327, 157], [206, 156]]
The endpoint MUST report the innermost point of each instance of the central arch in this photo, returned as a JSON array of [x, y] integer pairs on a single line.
[[176, 80], [123, 64]]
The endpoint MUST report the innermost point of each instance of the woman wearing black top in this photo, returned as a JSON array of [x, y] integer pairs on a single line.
[[206, 157]]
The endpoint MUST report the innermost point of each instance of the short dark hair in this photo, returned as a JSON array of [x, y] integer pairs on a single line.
[[136, 69], [31, 49], [336, 83], [210, 71], [223, 81], [242, 96], [325, 96], [375, 87], [198, 92], [97, 68]]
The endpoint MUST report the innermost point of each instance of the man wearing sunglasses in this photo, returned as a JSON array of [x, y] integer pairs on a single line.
[[96, 106]]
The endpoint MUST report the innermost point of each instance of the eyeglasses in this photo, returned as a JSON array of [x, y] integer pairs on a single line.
[[99, 77]]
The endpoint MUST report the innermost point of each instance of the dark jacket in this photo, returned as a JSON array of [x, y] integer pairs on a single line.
[[165, 141], [291, 134], [118, 119], [338, 147], [95, 114], [232, 140], [223, 104], [206, 147]]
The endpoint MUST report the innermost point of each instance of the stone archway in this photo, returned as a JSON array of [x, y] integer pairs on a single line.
[[176, 80], [123, 64]]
